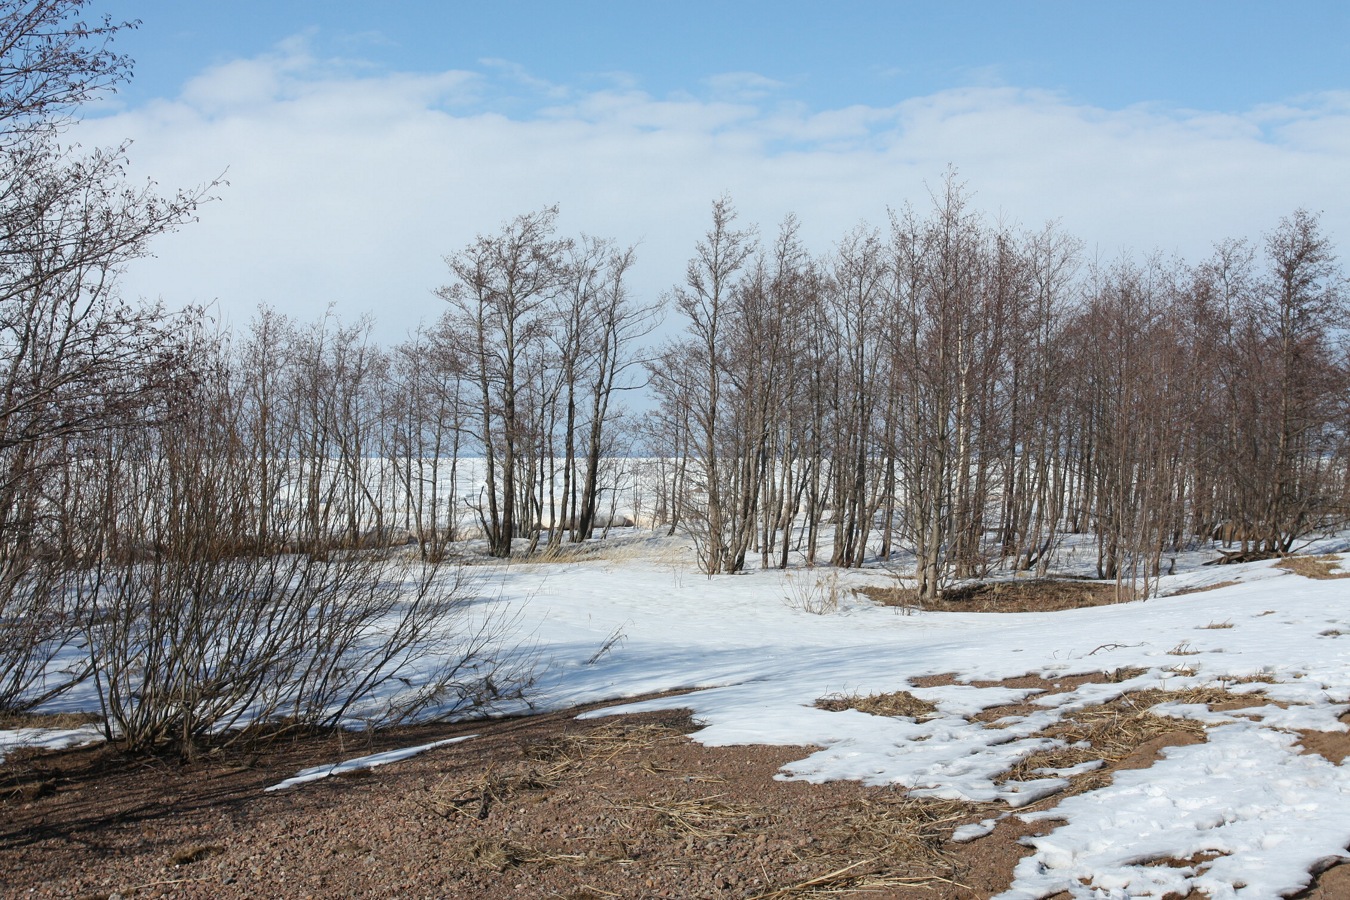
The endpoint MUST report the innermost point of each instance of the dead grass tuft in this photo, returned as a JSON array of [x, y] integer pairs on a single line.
[[1322, 568], [604, 742], [813, 592], [907, 829], [502, 855], [61, 721], [900, 704], [1203, 588], [860, 877], [702, 817]]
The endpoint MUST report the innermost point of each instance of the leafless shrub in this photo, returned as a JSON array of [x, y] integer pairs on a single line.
[[813, 592]]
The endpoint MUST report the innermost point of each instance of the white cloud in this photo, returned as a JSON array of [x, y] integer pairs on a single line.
[[348, 186]]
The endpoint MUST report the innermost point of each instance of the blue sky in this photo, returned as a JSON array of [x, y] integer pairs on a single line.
[[365, 141]]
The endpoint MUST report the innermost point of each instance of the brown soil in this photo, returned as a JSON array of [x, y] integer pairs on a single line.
[[544, 806], [1333, 745], [1022, 595]]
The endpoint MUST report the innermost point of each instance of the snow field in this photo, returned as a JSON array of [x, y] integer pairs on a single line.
[[1250, 812]]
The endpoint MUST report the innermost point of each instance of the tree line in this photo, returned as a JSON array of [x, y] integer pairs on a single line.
[[967, 393]]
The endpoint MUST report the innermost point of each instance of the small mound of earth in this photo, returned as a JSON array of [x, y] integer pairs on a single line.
[[1020, 595]]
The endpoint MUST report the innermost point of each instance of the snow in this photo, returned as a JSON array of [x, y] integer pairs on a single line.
[[361, 762], [1250, 812], [46, 738]]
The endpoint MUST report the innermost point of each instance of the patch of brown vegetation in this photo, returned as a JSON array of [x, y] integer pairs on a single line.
[[902, 704], [1322, 568], [1121, 734], [1331, 883], [1018, 595], [1203, 588], [48, 720], [1040, 685]]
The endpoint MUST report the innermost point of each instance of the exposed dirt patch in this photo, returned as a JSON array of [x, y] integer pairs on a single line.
[[1333, 745], [1323, 568], [547, 806], [897, 703], [1021, 595], [1332, 883]]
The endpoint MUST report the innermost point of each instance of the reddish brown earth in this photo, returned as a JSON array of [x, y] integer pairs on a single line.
[[546, 806]]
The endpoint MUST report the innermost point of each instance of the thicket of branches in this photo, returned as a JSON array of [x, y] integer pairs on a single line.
[[188, 521], [969, 393]]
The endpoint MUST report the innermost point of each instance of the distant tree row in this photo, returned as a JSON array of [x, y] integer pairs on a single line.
[[969, 393]]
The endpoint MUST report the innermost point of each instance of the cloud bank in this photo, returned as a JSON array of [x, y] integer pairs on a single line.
[[348, 185]]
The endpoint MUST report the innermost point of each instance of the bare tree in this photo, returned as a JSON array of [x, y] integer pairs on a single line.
[[704, 299], [501, 309], [75, 361]]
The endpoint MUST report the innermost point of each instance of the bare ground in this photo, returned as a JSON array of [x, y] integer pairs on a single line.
[[545, 806]]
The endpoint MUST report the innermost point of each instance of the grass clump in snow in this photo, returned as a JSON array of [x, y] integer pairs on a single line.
[[1322, 568], [901, 704]]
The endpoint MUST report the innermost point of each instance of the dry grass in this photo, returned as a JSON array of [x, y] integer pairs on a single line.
[[1322, 568], [914, 829], [501, 855], [1202, 588], [1020, 595], [1216, 625], [856, 878], [48, 720], [901, 704], [603, 743], [1113, 732], [813, 592], [702, 817]]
